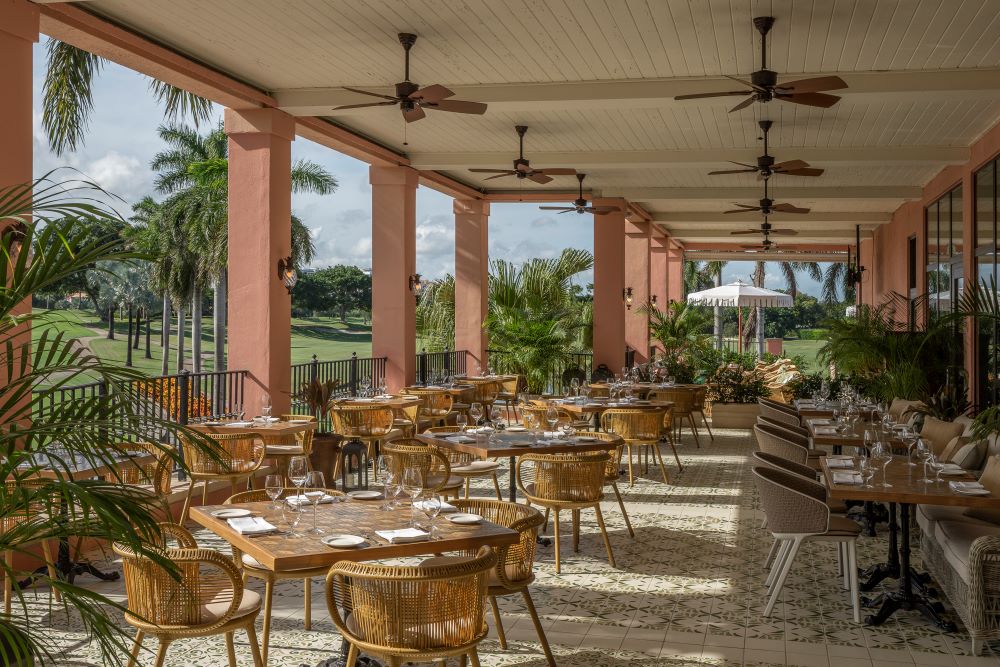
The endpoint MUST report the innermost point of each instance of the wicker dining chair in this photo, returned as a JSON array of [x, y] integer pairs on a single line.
[[514, 571], [700, 401], [778, 412], [797, 512], [509, 390], [768, 440], [251, 567], [411, 613], [434, 408], [791, 428], [433, 464], [684, 400], [237, 458], [20, 508], [281, 451], [465, 465], [369, 424], [599, 390], [485, 392], [612, 470], [406, 419], [566, 482], [540, 409], [155, 475], [202, 596], [641, 430]]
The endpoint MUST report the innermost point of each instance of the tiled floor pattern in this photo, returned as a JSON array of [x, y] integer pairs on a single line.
[[687, 591]]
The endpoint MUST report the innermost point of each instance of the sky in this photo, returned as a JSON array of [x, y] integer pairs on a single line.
[[122, 139]]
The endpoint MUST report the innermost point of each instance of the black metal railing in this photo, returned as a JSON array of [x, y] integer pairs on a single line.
[[349, 376], [431, 365], [500, 362]]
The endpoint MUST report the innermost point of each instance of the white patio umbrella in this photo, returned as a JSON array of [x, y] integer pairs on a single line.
[[740, 294]]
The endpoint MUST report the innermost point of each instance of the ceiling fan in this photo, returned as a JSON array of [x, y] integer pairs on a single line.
[[767, 167], [764, 87], [767, 231], [411, 98], [764, 246], [580, 205], [522, 168], [767, 206]]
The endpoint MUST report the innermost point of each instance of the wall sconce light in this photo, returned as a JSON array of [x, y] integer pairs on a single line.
[[627, 297], [287, 273], [652, 299], [416, 284]]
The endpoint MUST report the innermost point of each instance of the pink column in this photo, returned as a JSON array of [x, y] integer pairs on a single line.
[[260, 209], [658, 270], [675, 274], [471, 278], [394, 260], [637, 243], [609, 282]]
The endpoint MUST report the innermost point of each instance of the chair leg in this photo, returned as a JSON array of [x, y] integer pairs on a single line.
[[496, 486], [265, 633], [204, 492], [621, 504], [844, 557], [50, 565], [604, 532], [258, 660], [704, 420], [545, 526], [501, 637], [136, 647], [631, 479], [576, 531], [473, 658], [538, 627], [230, 649], [161, 652], [694, 430], [555, 532], [852, 566], [786, 567], [467, 483], [187, 504], [659, 457], [779, 561], [352, 655], [308, 595], [771, 554], [977, 646], [673, 447]]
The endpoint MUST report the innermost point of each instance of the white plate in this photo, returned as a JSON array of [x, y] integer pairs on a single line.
[[343, 541], [516, 429], [464, 519], [211, 423], [231, 514], [364, 495]]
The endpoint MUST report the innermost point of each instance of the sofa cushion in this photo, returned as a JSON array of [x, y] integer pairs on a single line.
[[991, 475], [955, 539], [928, 517], [938, 433], [969, 455]]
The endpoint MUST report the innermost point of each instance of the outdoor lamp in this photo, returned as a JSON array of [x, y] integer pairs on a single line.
[[416, 284], [287, 274], [627, 297]]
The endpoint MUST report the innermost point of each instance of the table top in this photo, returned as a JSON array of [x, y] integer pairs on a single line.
[[600, 406], [455, 390], [274, 429], [516, 444], [851, 438], [82, 468], [355, 517], [807, 408], [906, 488], [389, 402]]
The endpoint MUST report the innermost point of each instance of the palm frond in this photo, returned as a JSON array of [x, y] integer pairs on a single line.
[[67, 94], [308, 176], [179, 104]]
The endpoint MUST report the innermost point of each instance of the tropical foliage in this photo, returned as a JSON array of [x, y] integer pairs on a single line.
[[733, 383], [40, 431], [435, 316], [335, 289]]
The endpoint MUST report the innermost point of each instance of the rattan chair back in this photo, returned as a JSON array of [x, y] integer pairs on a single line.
[[484, 392], [235, 455], [411, 611], [362, 421], [434, 403], [780, 463], [768, 442], [793, 504], [155, 475], [780, 431], [611, 471], [540, 412], [767, 409], [515, 562], [564, 479], [791, 428], [634, 425], [435, 469], [599, 390], [305, 438], [684, 400]]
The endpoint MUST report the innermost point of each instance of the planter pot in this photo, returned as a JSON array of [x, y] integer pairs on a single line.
[[734, 415], [325, 452]]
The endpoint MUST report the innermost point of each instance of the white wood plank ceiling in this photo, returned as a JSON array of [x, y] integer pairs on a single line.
[[595, 79]]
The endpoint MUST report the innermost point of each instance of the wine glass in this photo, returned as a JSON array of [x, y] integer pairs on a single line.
[[366, 385], [585, 392], [413, 486], [574, 386], [266, 408], [910, 438], [298, 469], [431, 507], [290, 517], [461, 421], [882, 456], [531, 422], [476, 413], [393, 488], [495, 415], [867, 469], [567, 430], [923, 453], [552, 417], [316, 482], [381, 387], [274, 485]]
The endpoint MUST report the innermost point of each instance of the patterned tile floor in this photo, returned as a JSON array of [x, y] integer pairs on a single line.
[[687, 591]]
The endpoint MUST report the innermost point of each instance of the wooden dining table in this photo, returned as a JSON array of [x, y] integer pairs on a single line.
[[596, 407], [820, 431], [276, 431], [906, 489], [514, 444]]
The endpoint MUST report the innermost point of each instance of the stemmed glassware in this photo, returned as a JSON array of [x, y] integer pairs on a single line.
[[316, 482], [910, 438], [495, 414], [476, 413], [366, 385], [461, 421], [290, 517], [431, 507], [298, 469], [574, 386], [552, 417], [923, 453], [881, 455], [531, 422], [867, 469], [273, 486], [413, 486]]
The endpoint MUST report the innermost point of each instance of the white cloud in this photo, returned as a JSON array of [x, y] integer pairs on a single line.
[[544, 221]]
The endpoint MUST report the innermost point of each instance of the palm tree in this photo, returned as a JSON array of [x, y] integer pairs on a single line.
[[834, 281], [68, 101]]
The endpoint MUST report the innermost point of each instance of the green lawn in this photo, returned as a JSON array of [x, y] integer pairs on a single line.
[[808, 349]]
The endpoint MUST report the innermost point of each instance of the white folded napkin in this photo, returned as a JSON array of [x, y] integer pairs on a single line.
[[403, 535], [817, 422], [839, 463], [826, 430], [460, 438], [846, 477], [968, 488], [445, 507], [238, 424], [304, 500], [363, 400], [251, 525], [552, 434]]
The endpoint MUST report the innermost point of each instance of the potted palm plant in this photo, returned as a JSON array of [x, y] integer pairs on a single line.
[[734, 390], [318, 397]]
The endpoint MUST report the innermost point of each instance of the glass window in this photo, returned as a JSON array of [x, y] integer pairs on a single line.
[[986, 274]]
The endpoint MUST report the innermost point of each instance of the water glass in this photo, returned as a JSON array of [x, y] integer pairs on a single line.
[[274, 485], [316, 482], [366, 385], [461, 421], [882, 456], [298, 469], [923, 454], [574, 386], [413, 486], [495, 414], [266, 409], [552, 417], [290, 517], [431, 507], [867, 469], [476, 413]]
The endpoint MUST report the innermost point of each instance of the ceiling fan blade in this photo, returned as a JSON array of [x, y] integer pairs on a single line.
[[821, 100], [414, 114], [743, 210], [743, 164], [744, 104], [493, 171], [457, 106], [790, 164], [813, 85], [569, 210], [783, 232], [732, 171], [802, 172], [559, 171], [747, 206], [698, 96], [541, 179], [506, 173], [365, 92], [431, 94], [788, 208], [557, 208], [365, 105], [745, 231], [749, 85]]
